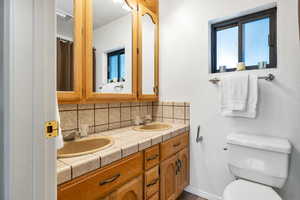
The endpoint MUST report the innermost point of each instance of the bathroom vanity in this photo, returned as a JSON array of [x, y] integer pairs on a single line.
[[139, 165]]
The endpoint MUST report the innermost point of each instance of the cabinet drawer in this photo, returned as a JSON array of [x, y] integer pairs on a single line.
[[154, 197], [173, 145], [103, 181], [151, 157], [151, 182]]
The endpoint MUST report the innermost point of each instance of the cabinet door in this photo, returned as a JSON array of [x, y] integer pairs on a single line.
[[109, 197], [133, 190], [69, 50], [148, 54], [183, 170], [168, 178], [111, 50]]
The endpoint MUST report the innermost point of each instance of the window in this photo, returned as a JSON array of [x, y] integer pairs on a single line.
[[116, 66], [250, 39]]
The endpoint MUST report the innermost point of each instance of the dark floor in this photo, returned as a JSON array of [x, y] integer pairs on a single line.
[[189, 196]]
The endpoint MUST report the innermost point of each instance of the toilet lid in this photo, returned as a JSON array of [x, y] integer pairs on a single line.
[[246, 190]]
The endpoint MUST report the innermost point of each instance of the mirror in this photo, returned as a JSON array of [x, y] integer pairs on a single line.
[[148, 55], [65, 45], [112, 44]]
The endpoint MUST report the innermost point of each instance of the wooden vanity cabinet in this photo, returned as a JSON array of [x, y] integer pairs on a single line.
[[174, 169], [99, 183], [174, 175], [131, 191], [168, 179], [183, 170], [160, 172]]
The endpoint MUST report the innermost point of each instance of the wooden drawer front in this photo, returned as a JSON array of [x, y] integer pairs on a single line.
[[103, 181], [151, 157], [154, 197], [151, 182], [173, 145]]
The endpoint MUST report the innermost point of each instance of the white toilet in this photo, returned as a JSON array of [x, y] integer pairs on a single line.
[[259, 163]]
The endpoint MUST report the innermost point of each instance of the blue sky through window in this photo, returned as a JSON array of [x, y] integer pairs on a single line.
[[256, 41], [227, 47], [113, 67], [255, 44], [116, 66]]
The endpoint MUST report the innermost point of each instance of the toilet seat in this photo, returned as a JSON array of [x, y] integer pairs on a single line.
[[246, 190]]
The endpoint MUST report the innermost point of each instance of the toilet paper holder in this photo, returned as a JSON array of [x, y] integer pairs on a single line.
[[199, 137]]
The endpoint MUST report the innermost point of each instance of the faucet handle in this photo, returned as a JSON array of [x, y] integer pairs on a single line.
[[137, 120], [84, 130]]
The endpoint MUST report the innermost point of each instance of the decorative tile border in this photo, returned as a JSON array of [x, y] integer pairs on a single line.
[[173, 112], [103, 117]]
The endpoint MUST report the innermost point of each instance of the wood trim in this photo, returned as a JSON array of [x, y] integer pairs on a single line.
[[143, 11], [151, 5], [88, 73], [76, 95]]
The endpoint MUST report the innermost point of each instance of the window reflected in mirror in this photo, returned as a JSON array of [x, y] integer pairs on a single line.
[[64, 45], [112, 46]]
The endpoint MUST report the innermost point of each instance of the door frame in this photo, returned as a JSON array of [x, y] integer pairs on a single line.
[[28, 99]]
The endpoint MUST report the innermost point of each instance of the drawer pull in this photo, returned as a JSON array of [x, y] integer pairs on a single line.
[[110, 180], [176, 145], [153, 182], [177, 167], [153, 157]]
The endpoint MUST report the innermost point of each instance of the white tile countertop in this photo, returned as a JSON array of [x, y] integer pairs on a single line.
[[126, 142]]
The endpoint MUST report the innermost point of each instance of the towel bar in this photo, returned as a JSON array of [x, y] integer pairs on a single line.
[[269, 77]]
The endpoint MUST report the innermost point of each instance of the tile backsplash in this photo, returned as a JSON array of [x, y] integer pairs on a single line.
[[103, 117], [176, 112]]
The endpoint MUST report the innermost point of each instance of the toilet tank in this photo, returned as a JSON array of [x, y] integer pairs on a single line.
[[259, 159]]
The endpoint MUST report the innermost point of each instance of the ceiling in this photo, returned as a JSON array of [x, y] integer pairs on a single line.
[[104, 11]]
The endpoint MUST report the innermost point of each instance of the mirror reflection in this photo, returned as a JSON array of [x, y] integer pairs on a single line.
[[148, 55], [65, 41], [112, 46]]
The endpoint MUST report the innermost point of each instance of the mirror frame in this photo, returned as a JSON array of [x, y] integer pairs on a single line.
[[76, 95], [92, 96], [148, 97]]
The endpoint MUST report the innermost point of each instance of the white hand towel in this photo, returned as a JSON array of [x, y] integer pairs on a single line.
[[251, 107], [234, 92], [59, 139]]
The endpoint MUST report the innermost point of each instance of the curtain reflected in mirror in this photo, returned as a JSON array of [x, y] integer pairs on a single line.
[[65, 45], [65, 68]]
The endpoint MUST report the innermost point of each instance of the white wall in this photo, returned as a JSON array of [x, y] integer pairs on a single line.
[[184, 53], [65, 28], [113, 36], [1, 100]]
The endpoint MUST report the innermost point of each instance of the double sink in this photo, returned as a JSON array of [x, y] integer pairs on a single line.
[[95, 144]]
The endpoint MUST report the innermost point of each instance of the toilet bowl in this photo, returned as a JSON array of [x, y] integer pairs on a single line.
[[260, 163], [246, 190]]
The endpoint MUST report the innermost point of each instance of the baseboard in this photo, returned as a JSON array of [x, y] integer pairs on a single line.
[[202, 194]]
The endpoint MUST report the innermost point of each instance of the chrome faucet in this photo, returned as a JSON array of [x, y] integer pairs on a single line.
[[146, 120]]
